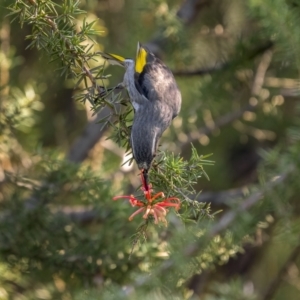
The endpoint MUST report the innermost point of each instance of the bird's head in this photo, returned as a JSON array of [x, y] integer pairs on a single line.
[[138, 65], [145, 165]]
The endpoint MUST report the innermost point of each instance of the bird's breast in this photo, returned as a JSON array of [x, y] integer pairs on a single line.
[[135, 105]]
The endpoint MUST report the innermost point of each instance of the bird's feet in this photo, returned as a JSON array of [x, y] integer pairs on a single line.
[[106, 91]]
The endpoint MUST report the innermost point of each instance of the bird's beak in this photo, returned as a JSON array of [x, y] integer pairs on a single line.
[[145, 179], [113, 59]]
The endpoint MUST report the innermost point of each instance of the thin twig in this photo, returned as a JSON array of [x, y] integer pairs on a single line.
[[89, 137], [84, 215], [225, 65], [222, 197], [261, 72], [190, 8], [272, 288], [201, 71], [81, 60], [227, 219], [81, 215], [231, 215], [219, 123]]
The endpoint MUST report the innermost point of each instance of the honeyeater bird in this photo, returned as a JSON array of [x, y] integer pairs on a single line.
[[156, 100]]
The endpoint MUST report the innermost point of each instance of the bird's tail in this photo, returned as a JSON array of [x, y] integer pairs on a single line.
[[113, 59]]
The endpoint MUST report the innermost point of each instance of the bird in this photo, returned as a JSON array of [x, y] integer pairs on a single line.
[[156, 100]]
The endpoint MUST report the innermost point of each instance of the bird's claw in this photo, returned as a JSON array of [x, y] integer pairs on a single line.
[[106, 91]]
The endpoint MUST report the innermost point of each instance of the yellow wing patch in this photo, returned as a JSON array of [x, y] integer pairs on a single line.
[[140, 61]]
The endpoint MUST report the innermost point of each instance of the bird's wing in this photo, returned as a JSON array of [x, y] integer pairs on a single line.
[[156, 83], [113, 59], [143, 62], [153, 79]]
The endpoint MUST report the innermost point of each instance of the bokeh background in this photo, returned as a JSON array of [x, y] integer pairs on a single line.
[[62, 237]]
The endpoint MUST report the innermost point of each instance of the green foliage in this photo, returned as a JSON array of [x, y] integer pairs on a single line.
[[280, 24], [54, 30], [61, 234]]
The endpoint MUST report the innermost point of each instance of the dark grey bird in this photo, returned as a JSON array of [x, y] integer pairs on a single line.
[[156, 100]]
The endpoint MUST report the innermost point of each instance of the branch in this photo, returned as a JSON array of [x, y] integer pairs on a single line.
[[190, 8], [84, 215], [232, 116], [222, 197], [202, 71], [261, 72], [186, 14], [78, 57], [219, 123], [81, 215], [231, 215], [271, 290], [226, 65], [89, 137]]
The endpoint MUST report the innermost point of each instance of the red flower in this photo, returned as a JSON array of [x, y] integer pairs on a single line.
[[152, 206]]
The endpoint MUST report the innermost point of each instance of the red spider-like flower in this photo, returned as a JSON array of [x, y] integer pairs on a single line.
[[151, 207]]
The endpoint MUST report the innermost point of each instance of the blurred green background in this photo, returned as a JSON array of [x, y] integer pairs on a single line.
[[62, 237]]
